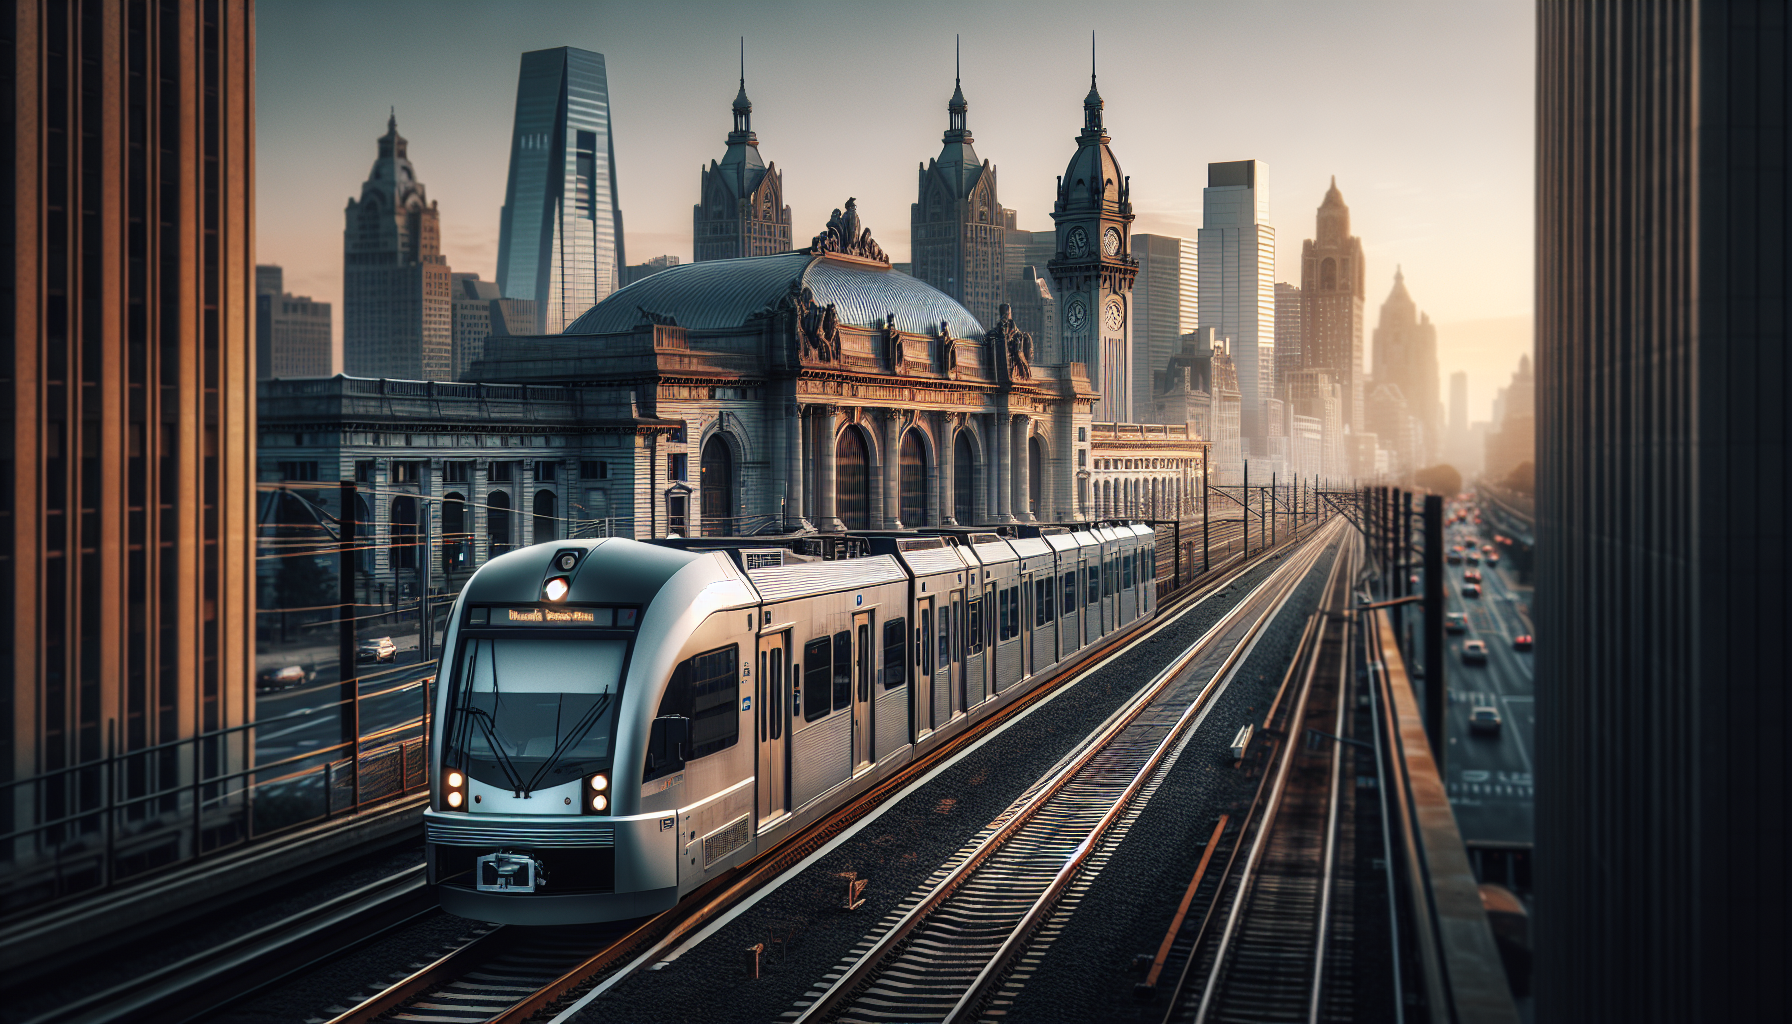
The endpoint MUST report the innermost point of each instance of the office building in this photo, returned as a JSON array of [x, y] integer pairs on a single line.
[[957, 237], [397, 320], [560, 230], [1663, 444], [740, 207], [1317, 394], [636, 271], [292, 332], [479, 313], [1406, 356], [1289, 328], [1237, 247], [1458, 403], [1164, 299], [1331, 289], [126, 605], [1036, 249], [1093, 271], [1035, 310], [1512, 439]]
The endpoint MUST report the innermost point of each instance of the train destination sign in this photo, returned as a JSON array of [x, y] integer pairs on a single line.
[[555, 616]]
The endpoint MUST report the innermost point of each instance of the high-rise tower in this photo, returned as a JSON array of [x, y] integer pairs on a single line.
[[560, 231], [1237, 248], [740, 209], [1094, 269], [397, 317], [956, 236], [1331, 292], [1406, 355], [1165, 300]]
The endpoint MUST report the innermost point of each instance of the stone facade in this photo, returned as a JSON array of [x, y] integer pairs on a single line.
[[1331, 288], [740, 209], [397, 318], [957, 237], [1406, 357]]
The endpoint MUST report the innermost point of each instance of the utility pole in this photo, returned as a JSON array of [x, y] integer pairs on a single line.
[[1272, 510], [1406, 565], [1206, 551], [1245, 493], [1434, 628]]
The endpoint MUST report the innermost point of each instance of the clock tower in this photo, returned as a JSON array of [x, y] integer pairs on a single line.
[[1094, 268]]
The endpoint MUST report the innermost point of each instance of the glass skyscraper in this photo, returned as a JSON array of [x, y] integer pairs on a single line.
[[560, 232], [1237, 248], [1165, 304]]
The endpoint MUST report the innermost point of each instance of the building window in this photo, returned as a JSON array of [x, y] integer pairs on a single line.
[[677, 517], [457, 472], [594, 470], [364, 471], [407, 472], [1082, 458], [298, 471], [678, 466], [544, 470], [1082, 433], [546, 516], [500, 472]]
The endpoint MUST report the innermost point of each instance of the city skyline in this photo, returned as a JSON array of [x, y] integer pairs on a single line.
[[1027, 80]]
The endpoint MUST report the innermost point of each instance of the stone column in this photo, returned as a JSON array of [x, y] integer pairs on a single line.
[[827, 424], [1023, 467], [937, 508], [793, 462], [892, 471], [1001, 443]]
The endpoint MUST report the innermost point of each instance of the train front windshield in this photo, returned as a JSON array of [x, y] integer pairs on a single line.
[[533, 713]]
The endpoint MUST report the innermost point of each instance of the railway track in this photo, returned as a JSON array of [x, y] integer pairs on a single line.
[[946, 953], [489, 980], [1273, 940]]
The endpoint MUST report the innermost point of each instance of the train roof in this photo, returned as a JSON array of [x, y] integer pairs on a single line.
[[991, 549], [1028, 546], [783, 582], [612, 570]]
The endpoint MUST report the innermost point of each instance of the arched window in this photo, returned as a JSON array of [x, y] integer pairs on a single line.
[[497, 522], [1035, 474], [852, 480], [545, 516], [914, 480], [717, 488], [457, 549], [404, 533], [963, 506], [364, 539], [1328, 274]]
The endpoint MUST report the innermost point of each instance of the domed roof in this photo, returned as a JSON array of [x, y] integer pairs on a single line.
[[724, 293], [1093, 161]]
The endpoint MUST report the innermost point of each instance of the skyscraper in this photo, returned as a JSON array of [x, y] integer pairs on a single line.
[[396, 315], [1458, 404], [292, 332], [127, 467], [481, 313], [560, 231], [740, 207], [1331, 288], [1093, 272], [1406, 355], [1663, 453], [1164, 300], [1237, 247], [1288, 335], [957, 235]]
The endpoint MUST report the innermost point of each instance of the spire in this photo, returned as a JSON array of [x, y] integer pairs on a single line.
[[743, 107], [956, 107], [1092, 103], [392, 122]]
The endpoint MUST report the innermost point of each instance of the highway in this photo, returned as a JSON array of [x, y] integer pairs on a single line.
[[1490, 774]]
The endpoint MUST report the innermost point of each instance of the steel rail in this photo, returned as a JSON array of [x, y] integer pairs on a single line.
[[1285, 581]]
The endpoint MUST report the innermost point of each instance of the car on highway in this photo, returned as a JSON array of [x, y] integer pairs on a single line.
[[1493, 559], [377, 649], [1474, 652], [1454, 558], [1521, 642], [1471, 557], [1487, 549], [1472, 576], [273, 680], [1484, 718], [1455, 622], [1471, 590]]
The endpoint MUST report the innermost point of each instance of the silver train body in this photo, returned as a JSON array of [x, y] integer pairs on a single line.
[[673, 715]]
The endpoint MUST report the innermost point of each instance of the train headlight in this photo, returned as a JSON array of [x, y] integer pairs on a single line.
[[455, 779], [555, 588], [454, 798], [597, 795], [599, 783], [600, 802]]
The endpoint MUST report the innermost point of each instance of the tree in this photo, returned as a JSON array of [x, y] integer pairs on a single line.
[[1439, 479], [1522, 479]]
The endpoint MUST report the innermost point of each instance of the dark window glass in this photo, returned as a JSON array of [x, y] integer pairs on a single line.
[[677, 467], [842, 669], [703, 689], [546, 521], [1046, 603], [895, 653], [1094, 583], [1069, 593], [817, 654], [974, 632], [962, 474], [852, 480], [924, 656], [945, 658], [594, 470], [457, 472], [914, 480], [774, 686], [500, 472], [544, 470], [676, 518], [1126, 570]]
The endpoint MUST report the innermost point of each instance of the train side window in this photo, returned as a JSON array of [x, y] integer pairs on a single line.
[[923, 654], [1047, 602], [1010, 613], [774, 688], [818, 655], [945, 658], [895, 653], [1094, 583], [842, 669], [705, 689], [1069, 593], [1126, 569], [974, 632]]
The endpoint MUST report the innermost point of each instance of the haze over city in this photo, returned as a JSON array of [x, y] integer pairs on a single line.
[[1423, 113]]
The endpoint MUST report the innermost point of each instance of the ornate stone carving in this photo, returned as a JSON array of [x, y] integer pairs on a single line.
[[1011, 349], [845, 235], [660, 319], [946, 354], [818, 325], [893, 344]]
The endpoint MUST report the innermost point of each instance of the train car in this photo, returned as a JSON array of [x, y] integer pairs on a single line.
[[1147, 569], [618, 722]]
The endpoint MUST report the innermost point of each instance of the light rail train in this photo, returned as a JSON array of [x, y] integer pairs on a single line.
[[618, 722]]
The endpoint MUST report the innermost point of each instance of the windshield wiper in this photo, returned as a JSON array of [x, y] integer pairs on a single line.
[[489, 728], [598, 707]]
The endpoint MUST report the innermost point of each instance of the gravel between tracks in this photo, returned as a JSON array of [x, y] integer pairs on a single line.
[[899, 850], [1085, 974]]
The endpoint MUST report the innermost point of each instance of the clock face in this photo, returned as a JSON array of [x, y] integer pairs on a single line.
[[1110, 241], [1114, 315], [1076, 244], [1075, 315]]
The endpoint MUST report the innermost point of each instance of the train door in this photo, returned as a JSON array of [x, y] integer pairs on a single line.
[[770, 692], [960, 650], [863, 656], [1027, 598], [919, 657], [1110, 586], [990, 616]]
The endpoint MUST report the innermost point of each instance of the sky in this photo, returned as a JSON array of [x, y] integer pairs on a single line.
[[1422, 110]]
